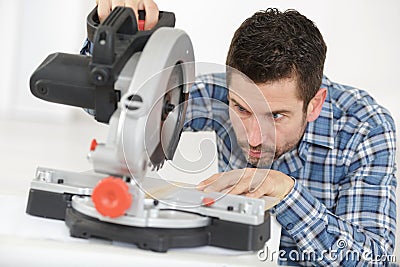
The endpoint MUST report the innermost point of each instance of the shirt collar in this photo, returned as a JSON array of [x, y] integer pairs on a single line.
[[320, 131]]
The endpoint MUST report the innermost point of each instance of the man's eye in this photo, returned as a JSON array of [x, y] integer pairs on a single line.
[[240, 109], [277, 116]]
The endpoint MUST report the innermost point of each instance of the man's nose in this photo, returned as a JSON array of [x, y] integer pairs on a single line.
[[254, 132]]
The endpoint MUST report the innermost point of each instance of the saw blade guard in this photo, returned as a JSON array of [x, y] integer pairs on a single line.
[[146, 127]]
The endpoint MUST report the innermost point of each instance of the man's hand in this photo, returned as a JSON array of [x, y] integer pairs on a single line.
[[251, 182], [104, 8]]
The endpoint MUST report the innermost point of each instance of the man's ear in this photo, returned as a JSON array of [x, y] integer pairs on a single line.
[[315, 106]]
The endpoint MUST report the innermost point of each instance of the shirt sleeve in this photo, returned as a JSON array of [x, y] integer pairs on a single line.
[[87, 48], [207, 104], [361, 228]]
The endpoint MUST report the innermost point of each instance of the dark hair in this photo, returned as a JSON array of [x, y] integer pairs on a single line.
[[272, 45]]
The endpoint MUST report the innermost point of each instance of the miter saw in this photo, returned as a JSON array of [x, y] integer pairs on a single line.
[[138, 82]]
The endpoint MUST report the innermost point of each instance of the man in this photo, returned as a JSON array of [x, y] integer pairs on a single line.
[[329, 159]]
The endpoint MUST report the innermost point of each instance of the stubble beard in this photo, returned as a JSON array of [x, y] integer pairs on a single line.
[[271, 153]]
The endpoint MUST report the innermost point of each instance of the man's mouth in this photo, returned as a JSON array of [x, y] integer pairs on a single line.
[[255, 153]]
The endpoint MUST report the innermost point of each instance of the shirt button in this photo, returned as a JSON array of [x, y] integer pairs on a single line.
[[289, 226]]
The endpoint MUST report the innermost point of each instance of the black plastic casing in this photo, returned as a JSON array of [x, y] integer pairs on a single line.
[[218, 233], [88, 81]]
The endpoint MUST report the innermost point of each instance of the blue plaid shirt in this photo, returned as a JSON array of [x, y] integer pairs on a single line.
[[343, 199]]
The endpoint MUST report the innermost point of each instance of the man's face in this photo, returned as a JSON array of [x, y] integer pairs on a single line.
[[268, 118]]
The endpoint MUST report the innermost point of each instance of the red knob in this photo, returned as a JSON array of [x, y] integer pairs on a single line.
[[93, 145], [111, 197]]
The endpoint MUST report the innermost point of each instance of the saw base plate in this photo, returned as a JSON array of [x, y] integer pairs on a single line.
[[219, 233]]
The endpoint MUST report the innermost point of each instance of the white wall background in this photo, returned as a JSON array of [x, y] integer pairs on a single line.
[[363, 39]]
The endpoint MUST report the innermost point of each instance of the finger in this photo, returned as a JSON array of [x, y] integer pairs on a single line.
[[215, 183], [265, 189], [116, 3], [152, 13], [243, 185], [250, 178], [103, 9], [258, 177], [227, 190], [225, 180], [258, 193], [239, 189], [207, 182], [134, 5]]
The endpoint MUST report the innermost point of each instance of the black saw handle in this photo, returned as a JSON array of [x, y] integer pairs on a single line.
[[88, 82], [165, 19]]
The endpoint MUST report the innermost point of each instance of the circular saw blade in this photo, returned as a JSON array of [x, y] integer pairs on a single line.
[[174, 104]]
